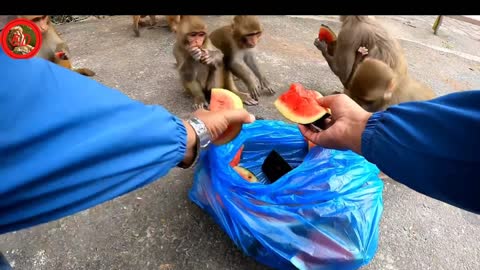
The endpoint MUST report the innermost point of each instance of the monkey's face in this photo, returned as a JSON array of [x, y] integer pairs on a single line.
[[369, 102], [251, 40], [41, 21], [17, 30], [196, 39]]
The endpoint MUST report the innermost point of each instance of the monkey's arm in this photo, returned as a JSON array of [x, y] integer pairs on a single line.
[[432, 147], [244, 73], [215, 58], [252, 63], [79, 144], [341, 61]]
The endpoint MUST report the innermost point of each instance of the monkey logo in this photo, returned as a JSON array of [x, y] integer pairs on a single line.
[[21, 39]]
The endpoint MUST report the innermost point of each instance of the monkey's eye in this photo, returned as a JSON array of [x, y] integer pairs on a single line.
[[197, 34], [254, 34]]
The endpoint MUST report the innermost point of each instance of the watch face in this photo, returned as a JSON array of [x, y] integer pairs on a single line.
[[202, 132]]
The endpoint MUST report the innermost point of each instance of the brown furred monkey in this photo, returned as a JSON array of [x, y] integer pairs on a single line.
[[137, 22], [52, 43], [199, 63], [357, 32], [172, 21], [237, 41], [375, 86], [371, 65]]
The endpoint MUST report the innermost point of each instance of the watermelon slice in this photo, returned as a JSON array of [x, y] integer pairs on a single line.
[[299, 105], [223, 99], [325, 33], [246, 174], [61, 55], [236, 159]]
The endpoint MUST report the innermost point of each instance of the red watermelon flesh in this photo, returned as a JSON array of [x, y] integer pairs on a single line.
[[325, 33], [299, 105], [236, 159], [223, 99]]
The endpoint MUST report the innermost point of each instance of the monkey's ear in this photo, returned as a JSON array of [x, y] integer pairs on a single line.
[[389, 91]]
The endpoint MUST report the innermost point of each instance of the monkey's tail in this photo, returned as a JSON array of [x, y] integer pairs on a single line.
[[85, 71]]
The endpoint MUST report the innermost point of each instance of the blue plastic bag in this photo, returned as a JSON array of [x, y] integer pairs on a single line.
[[324, 214]]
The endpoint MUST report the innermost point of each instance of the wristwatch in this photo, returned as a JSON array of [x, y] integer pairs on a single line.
[[203, 140]]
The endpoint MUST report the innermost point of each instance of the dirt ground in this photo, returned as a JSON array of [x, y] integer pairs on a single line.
[[157, 227]]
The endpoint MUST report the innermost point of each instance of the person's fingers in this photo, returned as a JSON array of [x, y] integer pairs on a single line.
[[321, 138], [240, 115], [327, 101], [306, 132]]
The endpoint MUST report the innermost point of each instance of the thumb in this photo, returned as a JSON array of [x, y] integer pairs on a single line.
[[321, 138], [327, 101], [238, 116]]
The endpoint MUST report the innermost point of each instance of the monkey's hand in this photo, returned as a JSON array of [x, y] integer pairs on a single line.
[[254, 90], [321, 45], [207, 58], [265, 84], [363, 50], [196, 53], [212, 58], [247, 99], [200, 103]]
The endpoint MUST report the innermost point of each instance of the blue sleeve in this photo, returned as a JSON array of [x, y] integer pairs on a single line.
[[68, 143], [432, 147]]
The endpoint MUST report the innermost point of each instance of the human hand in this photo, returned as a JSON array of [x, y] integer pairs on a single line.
[[218, 122], [344, 128]]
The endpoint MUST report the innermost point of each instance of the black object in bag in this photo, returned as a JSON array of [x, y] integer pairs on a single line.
[[275, 166]]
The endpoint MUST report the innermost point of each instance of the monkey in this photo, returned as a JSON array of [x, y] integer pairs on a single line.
[[52, 43], [372, 66], [237, 42], [375, 86], [357, 32], [18, 38], [172, 21], [138, 22], [19, 42], [198, 62]]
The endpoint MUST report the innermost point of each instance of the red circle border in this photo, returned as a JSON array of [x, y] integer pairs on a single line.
[[36, 30]]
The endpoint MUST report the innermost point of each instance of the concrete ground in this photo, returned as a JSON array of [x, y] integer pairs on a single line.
[[157, 227]]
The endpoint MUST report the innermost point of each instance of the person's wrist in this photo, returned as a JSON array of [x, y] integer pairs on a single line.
[[191, 146], [198, 139]]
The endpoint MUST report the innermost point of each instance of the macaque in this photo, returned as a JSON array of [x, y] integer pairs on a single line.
[[19, 42], [199, 63], [362, 32], [137, 22], [371, 65], [172, 22], [52, 43], [375, 86], [237, 41]]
